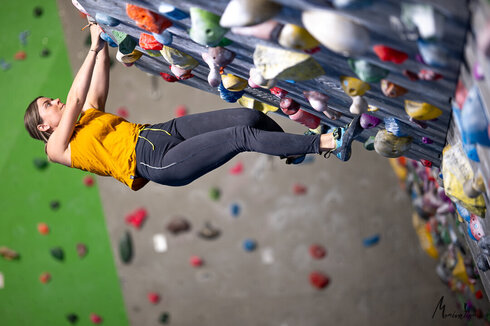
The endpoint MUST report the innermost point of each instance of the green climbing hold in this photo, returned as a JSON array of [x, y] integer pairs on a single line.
[[40, 163], [369, 143], [126, 248], [225, 42], [367, 71], [164, 318], [214, 193], [58, 253], [205, 29]]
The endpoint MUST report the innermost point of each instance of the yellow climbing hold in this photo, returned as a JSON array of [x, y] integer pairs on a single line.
[[256, 105], [178, 58], [276, 63], [372, 108], [421, 110], [234, 83], [129, 58], [388, 145], [425, 237], [353, 86], [153, 53], [296, 37]]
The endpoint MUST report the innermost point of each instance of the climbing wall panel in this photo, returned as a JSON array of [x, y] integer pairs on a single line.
[[382, 21]]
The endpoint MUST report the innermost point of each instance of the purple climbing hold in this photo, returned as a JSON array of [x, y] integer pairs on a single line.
[[369, 121], [477, 71], [427, 140]]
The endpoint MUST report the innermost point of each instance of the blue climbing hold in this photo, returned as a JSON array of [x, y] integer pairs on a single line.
[[249, 245], [474, 123], [229, 96], [463, 212], [396, 127], [433, 54], [108, 39], [172, 12], [165, 38], [235, 209], [106, 19], [371, 241]]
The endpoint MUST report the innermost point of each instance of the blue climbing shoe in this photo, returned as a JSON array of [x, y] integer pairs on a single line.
[[344, 136]]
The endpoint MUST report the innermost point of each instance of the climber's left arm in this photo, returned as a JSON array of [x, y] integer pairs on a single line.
[[99, 85]]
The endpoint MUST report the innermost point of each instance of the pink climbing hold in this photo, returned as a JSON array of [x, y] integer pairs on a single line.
[[180, 111], [461, 93], [319, 280], [288, 105], [168, 77], [299, 189], [427, 74], [317, 251], [137, 218], [88, 181], [96, 319], [122, 112], [148, 42], [279, 92], [236, 169], [305, 118], [385, 53], [196, 261], [153, 297]]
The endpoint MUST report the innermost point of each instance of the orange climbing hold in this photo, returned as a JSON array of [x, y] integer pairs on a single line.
[[148, 20], [148, 42], [21, 55], [386, 53], [43, 228], [45, 278]]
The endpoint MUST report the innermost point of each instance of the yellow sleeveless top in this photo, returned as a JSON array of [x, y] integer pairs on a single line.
[[104, 144]]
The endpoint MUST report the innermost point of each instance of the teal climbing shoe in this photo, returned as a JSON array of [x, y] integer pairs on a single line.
[[344, 136]]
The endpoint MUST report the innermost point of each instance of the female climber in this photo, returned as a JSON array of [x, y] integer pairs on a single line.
[[80, 134]]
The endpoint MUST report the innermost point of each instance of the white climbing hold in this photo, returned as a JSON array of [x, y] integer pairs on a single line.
[[160, 242], [2, 281], [359, 105], [248, 12]]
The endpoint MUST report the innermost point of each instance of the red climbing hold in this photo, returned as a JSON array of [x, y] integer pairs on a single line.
[[305, 118], [313, 50], [427, 74], [237, 168], [426, 163], [96, 319], [410, 75], [43, 228], [148, 20], [479, 294], [88, 181], [288, 105], [196, 261], [180, 111], [148, 42], [45, 278], [279, 92], [319, 280], [136, 218], [21, 55], [168, 77], [122, 112], [299, 189], [386, 53], [317, 251], [153, 297]]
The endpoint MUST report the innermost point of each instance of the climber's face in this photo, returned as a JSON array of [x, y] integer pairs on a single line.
[[51, 111]]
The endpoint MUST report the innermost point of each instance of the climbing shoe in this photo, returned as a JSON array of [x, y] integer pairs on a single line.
[[344, 136]]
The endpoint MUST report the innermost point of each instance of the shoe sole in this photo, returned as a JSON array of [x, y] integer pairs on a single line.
[[348, 137]]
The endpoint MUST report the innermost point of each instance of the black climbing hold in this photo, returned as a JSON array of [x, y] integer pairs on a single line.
[[58, 253], [482, 263], [72, 318], [209, 232], [55, 205], [165, 318], [40, 163], [126, 248], [45, 52], [38, 11], [178, 224]]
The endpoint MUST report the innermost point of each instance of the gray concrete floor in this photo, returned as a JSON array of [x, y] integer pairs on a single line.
[[392, 283]]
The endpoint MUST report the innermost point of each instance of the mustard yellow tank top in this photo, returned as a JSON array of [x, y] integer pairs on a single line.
[[104, 144]]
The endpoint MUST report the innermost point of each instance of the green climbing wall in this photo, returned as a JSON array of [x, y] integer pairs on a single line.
[[78, 285]]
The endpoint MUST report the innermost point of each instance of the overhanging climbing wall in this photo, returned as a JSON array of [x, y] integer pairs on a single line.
[[419, 78]]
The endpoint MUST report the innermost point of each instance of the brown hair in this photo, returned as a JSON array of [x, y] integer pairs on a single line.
[[32, 118]]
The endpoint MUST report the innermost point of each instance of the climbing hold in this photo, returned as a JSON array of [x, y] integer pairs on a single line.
[[482, 263], [410, 75], [164, 318], [88, 181], [317, 251], [96, 319], [153, 297], [122, 111], [104, 19], [478, 73], [427, 140], [391, 89], [235, 209], [229, 96], [359, 105], [476, 228], [371, 241], [386, 53], [433, 53], [233, 83], [256, 80], [268, 30], [137, 218], [424, 18], [217, 58], [256, 105], [249, 245], [54, 204], [319, 280], [148, 42], [58, 253], [147, 20], [81, 250], [5, 65], [426, 163], [351, 4], [396, 127], [178, 225], [484, 245], [353, 86], [389, 145], [479, 294], [337, 32], [289, 106], [297, 38], [236, 169], [178, 58], [367, 71], [126, 42], [319, 102], [43, 228], [165, 37], [474, 122], [2, 281], [20, 55], [72, 318], [214, 193], [418, 123], [23, 37], [369, 143], [169, 78], [172, 12], [9, 254], [40, 163], [108, 39], [369, 121], [209, 232], [196, 261], [279, 92], [421, 111], [276, 63], [248, 12], [180, 111], [299, 189], [128, 59], [205, 28], [126, 247], [305, 118], [45, 277], [427, 74], [38, 11]]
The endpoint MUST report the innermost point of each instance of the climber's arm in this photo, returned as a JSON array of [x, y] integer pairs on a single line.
[[99, 85]]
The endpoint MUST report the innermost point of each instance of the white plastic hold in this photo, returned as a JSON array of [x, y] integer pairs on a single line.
[[248, 12], [428, 21], [214, 78], [359, 105], [160, 242], [259, 80]]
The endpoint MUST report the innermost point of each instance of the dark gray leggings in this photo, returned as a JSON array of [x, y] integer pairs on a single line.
[[199, 143]]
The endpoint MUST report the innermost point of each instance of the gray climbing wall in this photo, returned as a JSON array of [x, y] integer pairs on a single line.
[[380, 18]]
